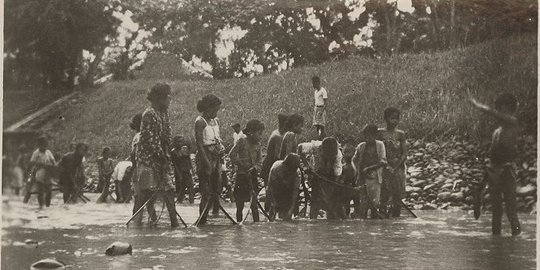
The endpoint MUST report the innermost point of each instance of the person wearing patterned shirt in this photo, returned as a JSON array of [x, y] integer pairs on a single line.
[[153, 154]]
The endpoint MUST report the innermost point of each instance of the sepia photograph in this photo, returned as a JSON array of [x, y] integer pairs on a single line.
[[269, 134]]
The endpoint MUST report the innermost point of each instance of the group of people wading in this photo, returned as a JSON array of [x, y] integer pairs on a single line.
[[328, 173]]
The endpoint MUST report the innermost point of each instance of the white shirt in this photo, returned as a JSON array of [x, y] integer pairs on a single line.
[[120, 170], [320, 96], [312, 150], [43, 158], [211, 134], [237, 136]]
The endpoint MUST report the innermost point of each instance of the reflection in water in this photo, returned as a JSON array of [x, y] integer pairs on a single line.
[[79, 234]]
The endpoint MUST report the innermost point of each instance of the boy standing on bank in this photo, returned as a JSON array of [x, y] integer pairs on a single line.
[[319, 112], [503, 151]]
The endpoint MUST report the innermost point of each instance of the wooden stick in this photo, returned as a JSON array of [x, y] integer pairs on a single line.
[[142, 207]]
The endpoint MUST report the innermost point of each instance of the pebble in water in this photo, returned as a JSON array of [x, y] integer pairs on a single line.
[[118, 248], [49, 263]]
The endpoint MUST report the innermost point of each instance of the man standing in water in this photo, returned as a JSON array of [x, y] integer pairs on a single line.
[[500, 172], [153, 154], [70, 166]]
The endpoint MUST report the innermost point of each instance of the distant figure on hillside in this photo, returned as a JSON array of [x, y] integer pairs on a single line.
[[153, 153], [394, 176], [210, 151], [70, 167], [246, 155], [500, 172], [369, 160], [42, 161], [319, 113]]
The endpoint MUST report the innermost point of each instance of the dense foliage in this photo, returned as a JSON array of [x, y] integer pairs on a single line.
[[44, 39]]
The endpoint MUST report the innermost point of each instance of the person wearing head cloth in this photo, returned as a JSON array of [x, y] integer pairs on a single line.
[[210, 151], [153, 153]]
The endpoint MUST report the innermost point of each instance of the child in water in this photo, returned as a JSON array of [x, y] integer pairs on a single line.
[[347, 178], [210, 151], [503, 151], [105, 169], [181, 160], [246, 155], [369, 159], [42, 161], [396, 152]]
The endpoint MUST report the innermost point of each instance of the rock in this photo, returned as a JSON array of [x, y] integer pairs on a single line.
[[428, 206], [526, 190], [428, 187], [412, 189], [448, 186], [49, 263], [457, 196], [431, 197], [444, 196], [118, 248], [419, 183], [414, 195], [444, 206]]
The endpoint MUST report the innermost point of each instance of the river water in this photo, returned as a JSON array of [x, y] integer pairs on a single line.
[[439, 239]]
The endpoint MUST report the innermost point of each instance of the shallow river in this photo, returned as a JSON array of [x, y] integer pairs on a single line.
[[78, 235]]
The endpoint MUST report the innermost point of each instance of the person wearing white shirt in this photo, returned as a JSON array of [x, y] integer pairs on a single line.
[[42, 161], [122, 180], [237, 133], [319, 112]]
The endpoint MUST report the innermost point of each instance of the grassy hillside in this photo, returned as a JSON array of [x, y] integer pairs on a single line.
[[431, 89]]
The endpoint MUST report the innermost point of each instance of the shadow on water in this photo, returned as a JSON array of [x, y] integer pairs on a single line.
[[79, 234]]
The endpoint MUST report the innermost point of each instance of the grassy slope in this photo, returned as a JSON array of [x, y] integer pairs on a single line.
[[431, 89]]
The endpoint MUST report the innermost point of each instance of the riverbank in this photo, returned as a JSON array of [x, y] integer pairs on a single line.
[[445, 174]]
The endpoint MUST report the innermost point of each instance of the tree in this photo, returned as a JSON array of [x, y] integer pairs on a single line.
[[51, 35]]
